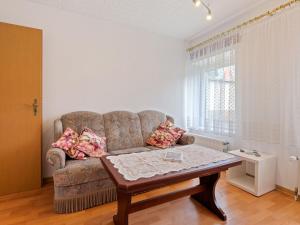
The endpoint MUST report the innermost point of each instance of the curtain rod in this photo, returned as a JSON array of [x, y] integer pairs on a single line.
[[246, 23]]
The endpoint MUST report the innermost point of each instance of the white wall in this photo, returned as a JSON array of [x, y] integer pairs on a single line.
[[99, 66], [286, 170]]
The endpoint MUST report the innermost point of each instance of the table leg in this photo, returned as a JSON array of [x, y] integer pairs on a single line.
[[208, 198], [124, 201]]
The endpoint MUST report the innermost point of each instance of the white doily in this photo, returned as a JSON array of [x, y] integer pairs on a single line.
[[148, 164]]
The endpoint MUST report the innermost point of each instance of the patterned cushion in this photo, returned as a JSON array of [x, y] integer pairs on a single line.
[[91, 144], [176, 132], [161, 139], [166, 135], [67, 142], [79, 120]]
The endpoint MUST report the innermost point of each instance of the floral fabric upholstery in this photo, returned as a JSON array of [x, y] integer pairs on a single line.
[[77, 121], [130, 150], [91, 144], [150, 120], [161, 139], [186, 139], [67, 143], [65, 192], [74, 198], [56, 157], [166, 135], [169, 127], [77, 172], [122, 130], [77, 147]]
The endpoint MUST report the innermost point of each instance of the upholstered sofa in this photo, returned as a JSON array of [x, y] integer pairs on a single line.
[[81, 184]]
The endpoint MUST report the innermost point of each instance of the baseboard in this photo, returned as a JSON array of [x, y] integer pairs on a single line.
[[285, 190], [47, 180], [24, 193]]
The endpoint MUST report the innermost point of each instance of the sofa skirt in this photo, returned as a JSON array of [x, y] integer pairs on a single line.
[[83, 196]]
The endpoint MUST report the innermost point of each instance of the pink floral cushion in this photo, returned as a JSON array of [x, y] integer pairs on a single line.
[[67, 142], [161, 139], [165, 135], [169, 127], [91, 144]]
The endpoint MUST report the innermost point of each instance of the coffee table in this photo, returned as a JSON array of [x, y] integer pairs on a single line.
[[203, 193]]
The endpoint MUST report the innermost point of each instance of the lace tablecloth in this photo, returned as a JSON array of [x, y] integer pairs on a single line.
[[148, 164]]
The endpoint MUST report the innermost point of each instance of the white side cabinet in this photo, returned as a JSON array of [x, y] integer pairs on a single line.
[[256, 175]]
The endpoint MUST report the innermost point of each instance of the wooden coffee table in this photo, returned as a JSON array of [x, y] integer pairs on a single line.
[[204, 193]]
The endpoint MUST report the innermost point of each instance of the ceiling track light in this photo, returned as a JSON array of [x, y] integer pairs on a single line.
[[198, 3]]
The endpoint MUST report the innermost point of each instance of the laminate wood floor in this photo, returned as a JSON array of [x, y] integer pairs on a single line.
[[241, 208]]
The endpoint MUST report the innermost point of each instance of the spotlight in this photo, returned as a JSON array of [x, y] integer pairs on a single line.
[[197, 3], [209, 16]]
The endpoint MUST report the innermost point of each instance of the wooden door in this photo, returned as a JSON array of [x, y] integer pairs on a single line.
[[20, 128]]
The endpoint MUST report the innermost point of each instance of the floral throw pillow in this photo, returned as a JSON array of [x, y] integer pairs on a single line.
[[91, 144], [161, 139], [169, 127], [166, 135], [67, 142]]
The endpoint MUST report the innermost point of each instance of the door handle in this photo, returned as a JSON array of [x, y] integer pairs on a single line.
[[35, 106]]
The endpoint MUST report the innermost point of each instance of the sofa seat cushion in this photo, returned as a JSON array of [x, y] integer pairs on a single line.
[[150, 147], [130, 150], [80, 171]]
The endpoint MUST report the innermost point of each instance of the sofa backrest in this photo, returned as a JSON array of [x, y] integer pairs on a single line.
[[121, 128], [150, 120], [79, 120]]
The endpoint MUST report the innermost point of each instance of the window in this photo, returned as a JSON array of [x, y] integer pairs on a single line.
[[210, 94]]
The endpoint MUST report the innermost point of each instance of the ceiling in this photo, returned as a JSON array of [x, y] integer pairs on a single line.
[[176, 18]]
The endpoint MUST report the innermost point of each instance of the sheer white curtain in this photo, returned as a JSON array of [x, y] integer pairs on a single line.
[[264, 112], [210, 88], [268, 87], [247, 85]]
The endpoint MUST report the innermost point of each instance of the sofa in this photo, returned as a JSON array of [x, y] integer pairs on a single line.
[[81, 184]]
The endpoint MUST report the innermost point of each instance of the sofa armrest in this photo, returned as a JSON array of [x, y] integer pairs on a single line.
[[186, 139], [57, 158], [58, 129], [212, 143]]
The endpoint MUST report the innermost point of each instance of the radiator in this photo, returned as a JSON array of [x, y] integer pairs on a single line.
[[211, 143], [297, 186]]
